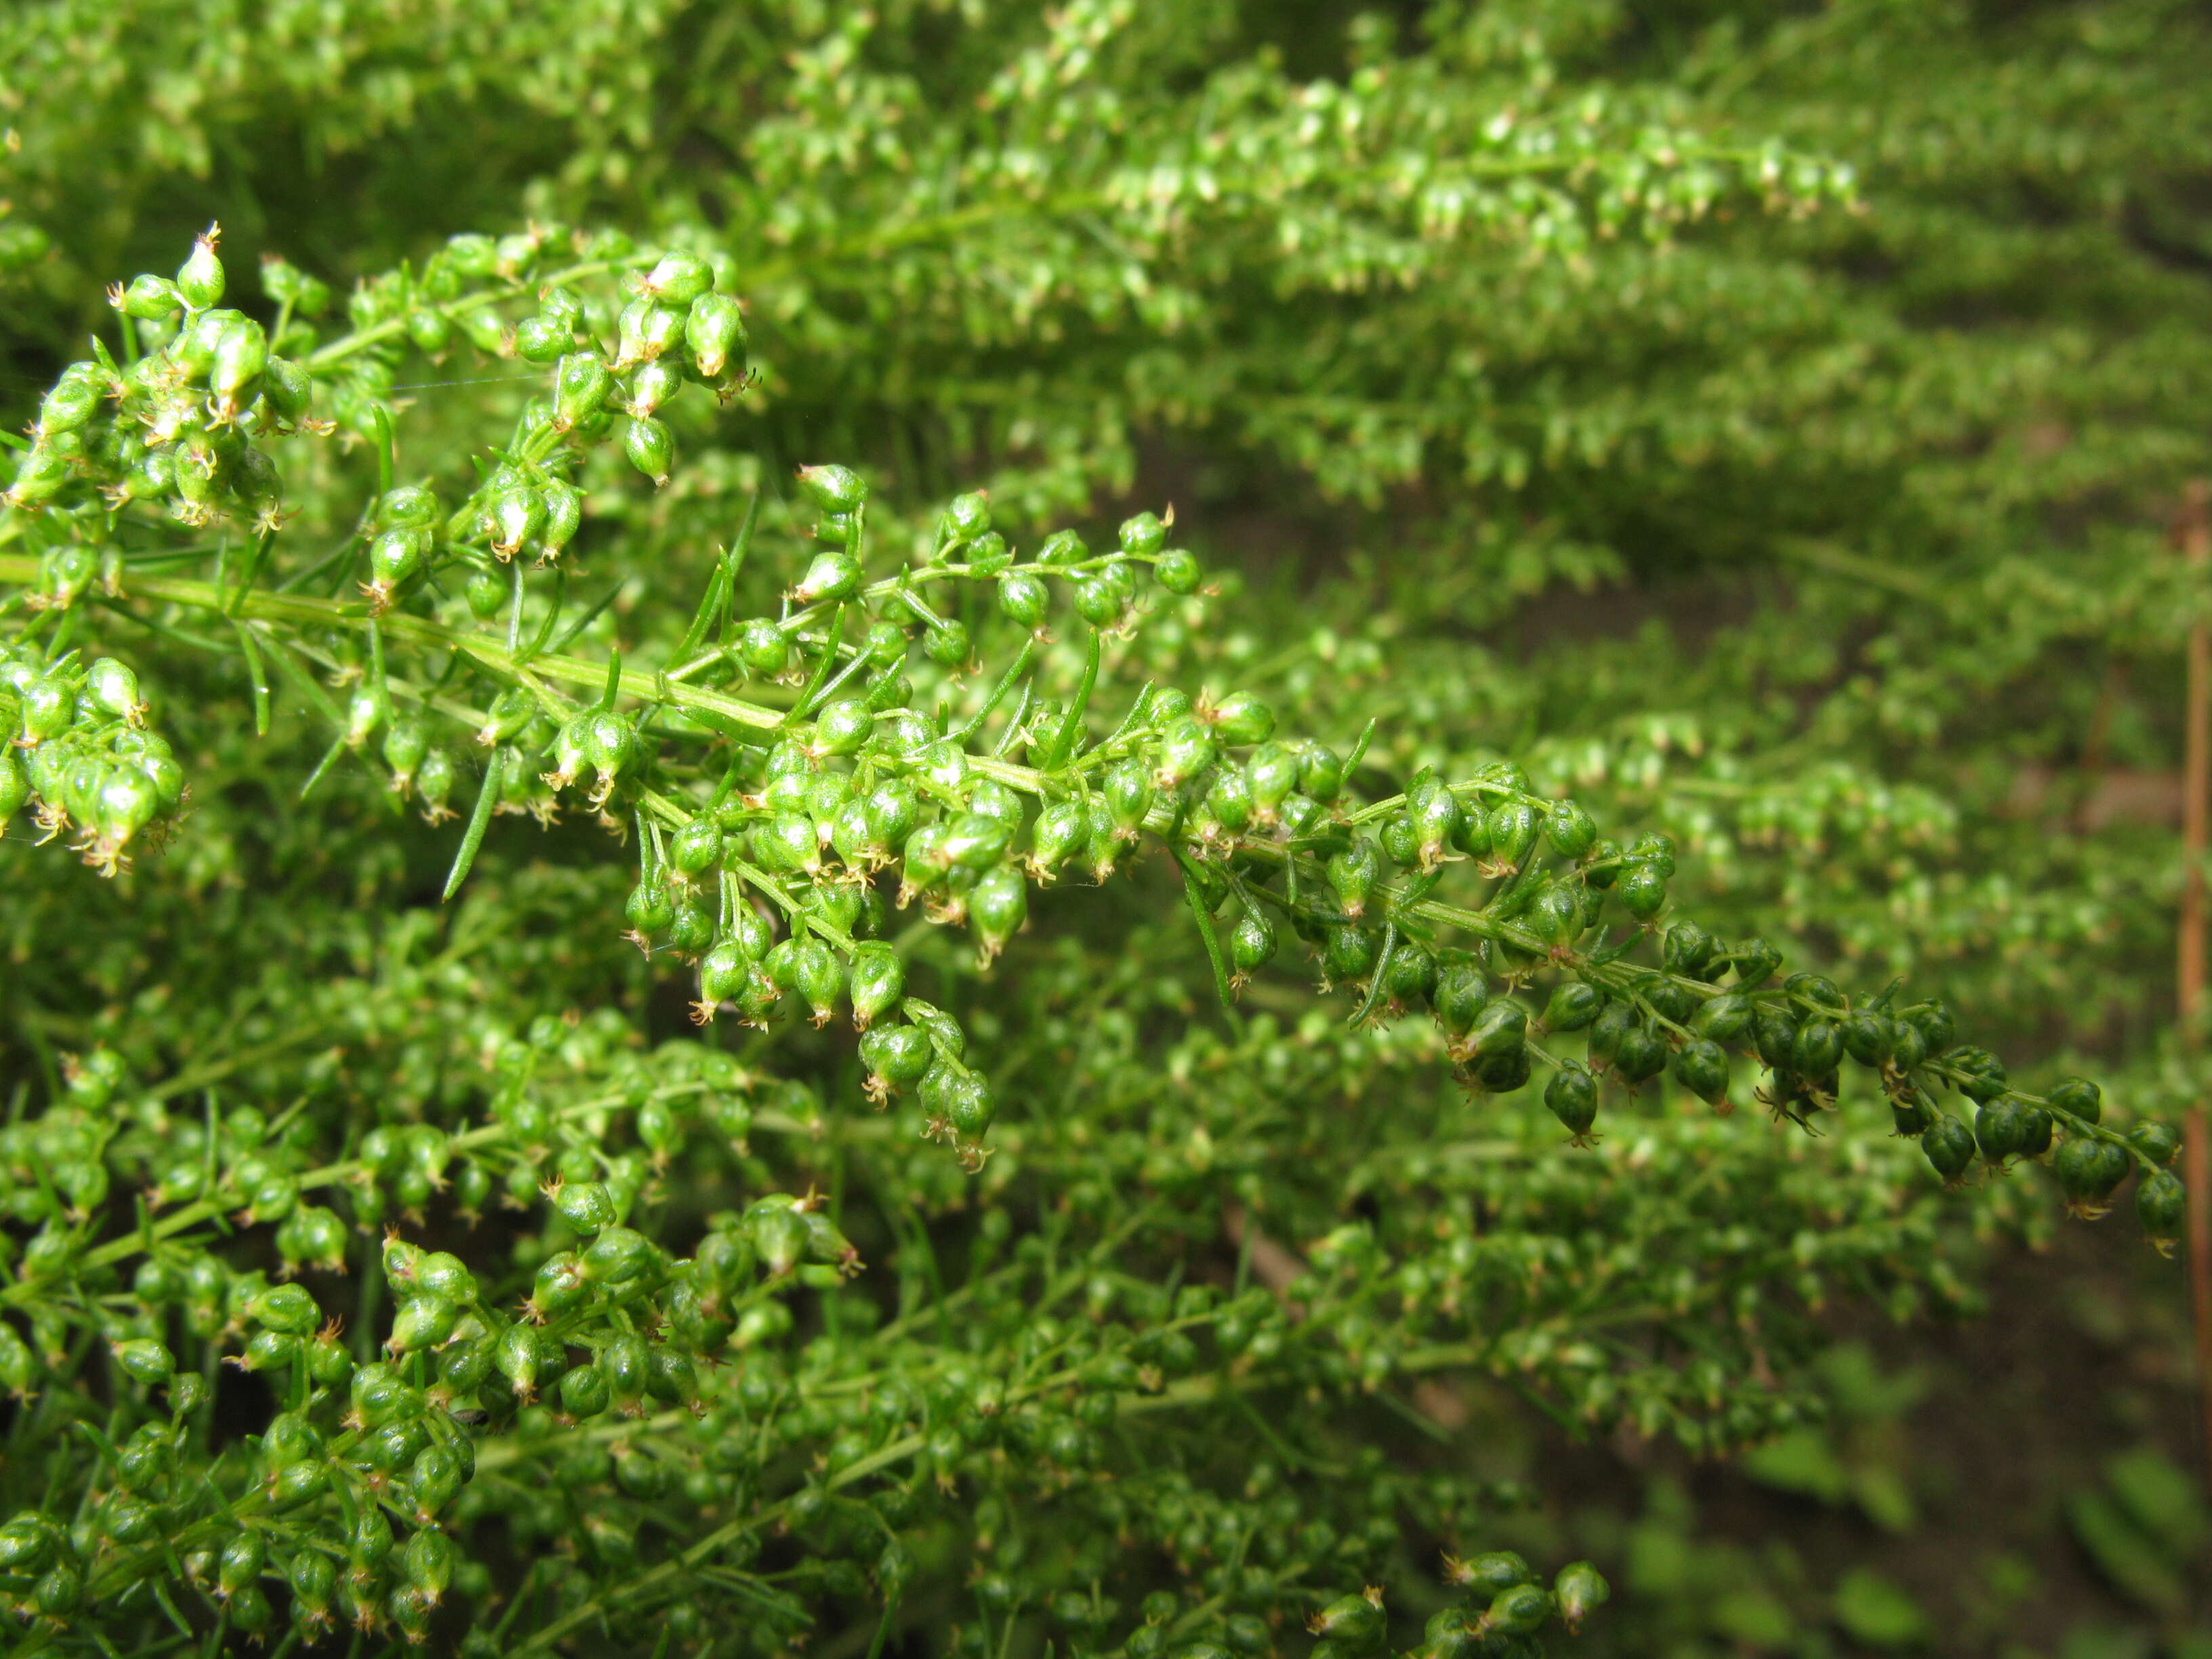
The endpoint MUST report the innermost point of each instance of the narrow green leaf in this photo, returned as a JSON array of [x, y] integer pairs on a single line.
[[479, 821]]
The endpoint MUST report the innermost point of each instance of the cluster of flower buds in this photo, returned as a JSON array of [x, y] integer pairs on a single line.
[[678, 329], [613, 1327], [773, 867], [78, 753], [170, 428], [1499, 1610]]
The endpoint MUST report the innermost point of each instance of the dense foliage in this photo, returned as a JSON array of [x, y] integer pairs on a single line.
[[593, 741]]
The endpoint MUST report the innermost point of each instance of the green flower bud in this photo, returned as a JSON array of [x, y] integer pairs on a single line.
[[650, 448], [240, 352], [586, 1205], [1460, 998], [958, 1099], [15, 788], [1572, 1095], [1817, 1048], [1128, 794], [697, 846], [834, 489], [2080, 1099], [286, 1308], [1251, 944], [652, 385], [1869, 1036], [240, 1563], [1184, 749], [713, 330], [1579, 1588], [897, 1056], [1521, 1610], [879, 980], [678, 279], [199, 279], [843, 726], [1143, 535], [2089, 1168], [1702, 1067], [1933, 1022], [1570, 829], [561, 1285], [2161, 1204], [1320, 772], [1555, 914], [1178, 571], [2158, 1142], [1060, 828], [1022, 599], [609, 745], [1502, 1027], [1353, 875], [965, 517], [434, 1481], [544, 339], [1355, 1622], [150, 298], [428, 1562], [28, 1542], [584, 1392], [144, 1360], [1949, 1145], [1982, 1078], [947, 644], [617, 1255], [396, 556], [1725, 1018], [998, 907], [1348, 953], [818, 977], [73, 401], [834, 575], [1513, 830], [788, 845], [423, 1321], [581, 386], [1640, 1057], [113, 689], [646, 330], [1573, 1006], [269, 1351], [1242, 718], [1643, 890], [763, 648]]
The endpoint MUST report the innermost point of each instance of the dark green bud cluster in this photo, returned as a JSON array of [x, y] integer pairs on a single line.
[[78, 754], [169, 430]]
